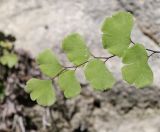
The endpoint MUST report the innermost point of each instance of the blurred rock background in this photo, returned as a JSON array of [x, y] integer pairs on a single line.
[[40, 24]]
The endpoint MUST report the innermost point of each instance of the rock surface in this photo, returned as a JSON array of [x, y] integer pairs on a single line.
[[43, 24], [147, 14], [37, 25]]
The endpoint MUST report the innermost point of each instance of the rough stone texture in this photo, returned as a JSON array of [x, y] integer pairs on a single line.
[[39, 24], [43, 24], [147, 14]]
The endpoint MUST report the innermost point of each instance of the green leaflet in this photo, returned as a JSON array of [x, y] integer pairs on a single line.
[[69, 84], [116, 33], [42, 91], [137, 53], [6, 45], [98, 75], [48, 63], [139, 74], [75, 48], [9, 59], [137, 71]]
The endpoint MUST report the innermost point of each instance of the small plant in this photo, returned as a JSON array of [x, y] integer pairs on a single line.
[[7, 56], [7, 59], [116, 38]]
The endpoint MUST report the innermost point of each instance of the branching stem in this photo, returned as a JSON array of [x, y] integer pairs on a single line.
[[153, 51], [65, 68], [150, 50]]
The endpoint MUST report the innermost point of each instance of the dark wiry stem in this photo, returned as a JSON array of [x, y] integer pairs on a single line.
[[151, 54], [132, 41], [65, 68], [150, 50], [109, 58], [153, 51]]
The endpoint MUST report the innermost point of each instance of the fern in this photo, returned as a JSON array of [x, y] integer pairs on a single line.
[[116, 38]]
